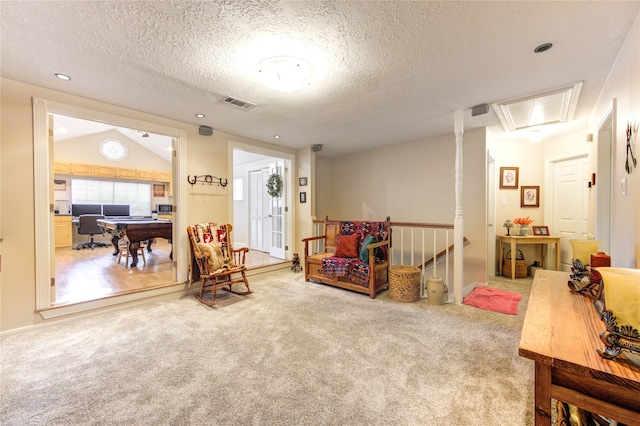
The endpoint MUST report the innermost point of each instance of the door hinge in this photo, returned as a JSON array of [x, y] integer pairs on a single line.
[[53, 281], [174, 209], [51, 208], [286, 248], [175, 263], [286, 208]]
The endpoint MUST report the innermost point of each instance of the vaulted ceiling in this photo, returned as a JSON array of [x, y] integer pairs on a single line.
[[384, 72]]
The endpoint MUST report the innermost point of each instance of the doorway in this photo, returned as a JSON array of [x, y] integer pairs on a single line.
[[44, 205], [94, 165], [261, 222]]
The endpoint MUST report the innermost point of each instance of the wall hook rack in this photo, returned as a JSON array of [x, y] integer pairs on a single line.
[[211, 180]]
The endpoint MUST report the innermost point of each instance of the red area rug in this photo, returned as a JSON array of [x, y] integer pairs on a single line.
[[493, 299]]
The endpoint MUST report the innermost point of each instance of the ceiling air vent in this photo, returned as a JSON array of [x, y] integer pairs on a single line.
[[245, 105], [554, 106]]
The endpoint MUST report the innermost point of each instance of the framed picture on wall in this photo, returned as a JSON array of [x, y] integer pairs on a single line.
[[59, 185], [158, 190], [530, 196], [509, 177]]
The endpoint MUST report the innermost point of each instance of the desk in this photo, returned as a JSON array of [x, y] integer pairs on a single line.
[[136, 230], [514, 241], [561, 333]]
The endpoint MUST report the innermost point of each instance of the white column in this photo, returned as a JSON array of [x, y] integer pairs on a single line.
[[458, 223]]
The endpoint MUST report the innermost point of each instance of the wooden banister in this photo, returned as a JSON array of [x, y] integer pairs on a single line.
[[442, 253]]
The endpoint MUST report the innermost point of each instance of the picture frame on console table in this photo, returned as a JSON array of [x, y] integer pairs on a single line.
[[541, 231]]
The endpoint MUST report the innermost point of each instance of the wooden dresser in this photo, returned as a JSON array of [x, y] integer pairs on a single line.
[[561, 332]]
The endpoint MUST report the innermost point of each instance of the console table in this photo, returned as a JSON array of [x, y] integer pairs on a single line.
[[514, 241], [561, 333]]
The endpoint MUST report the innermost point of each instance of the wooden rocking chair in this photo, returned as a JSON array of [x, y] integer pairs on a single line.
[[217, 261]]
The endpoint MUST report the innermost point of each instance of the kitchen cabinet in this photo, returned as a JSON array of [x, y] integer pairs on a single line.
[[62, 168], [106, 171], [162, 176], [144, 175], [126, 173], [63, 231], [83, 169]]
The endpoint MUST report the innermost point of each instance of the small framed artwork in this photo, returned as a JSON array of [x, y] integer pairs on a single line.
[[541, 231], [303, 197], [509, 177], [158, 190], [302, 181], [59, 185], [530, 196]]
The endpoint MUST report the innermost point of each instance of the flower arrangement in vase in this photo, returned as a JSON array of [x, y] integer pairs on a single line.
[[524, 223]]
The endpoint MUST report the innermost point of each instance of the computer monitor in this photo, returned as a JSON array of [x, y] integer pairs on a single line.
[[80, 209], [115, 210]]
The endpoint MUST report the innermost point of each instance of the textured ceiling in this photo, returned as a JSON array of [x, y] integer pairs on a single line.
[[385, 72]]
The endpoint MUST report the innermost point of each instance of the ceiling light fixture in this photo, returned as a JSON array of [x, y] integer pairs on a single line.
[[285, 73], [543, 47], [276, 137], [199, 115], [62, 76], [535, 136]]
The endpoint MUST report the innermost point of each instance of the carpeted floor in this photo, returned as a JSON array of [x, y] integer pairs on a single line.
[[293, 353]]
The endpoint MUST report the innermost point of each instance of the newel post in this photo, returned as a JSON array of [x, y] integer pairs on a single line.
[[458, 222]]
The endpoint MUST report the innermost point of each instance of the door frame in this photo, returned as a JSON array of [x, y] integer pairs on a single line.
[[604, 187], [43, 204], [290, 163]]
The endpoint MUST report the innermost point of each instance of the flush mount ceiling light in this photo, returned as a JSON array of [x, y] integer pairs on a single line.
[[555, 106], [285, 73], [62, 76], [199, 115]]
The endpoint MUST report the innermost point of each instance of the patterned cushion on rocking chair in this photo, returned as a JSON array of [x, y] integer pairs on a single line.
[[216, 258]]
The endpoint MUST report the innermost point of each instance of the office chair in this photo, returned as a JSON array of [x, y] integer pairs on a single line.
[[88, 225]]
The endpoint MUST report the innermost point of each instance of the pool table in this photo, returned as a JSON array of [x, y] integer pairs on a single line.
[[136, 230]]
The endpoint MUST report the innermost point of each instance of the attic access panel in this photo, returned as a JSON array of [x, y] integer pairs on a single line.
[[556, 106]]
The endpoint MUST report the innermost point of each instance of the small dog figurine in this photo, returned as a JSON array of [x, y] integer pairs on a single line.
[[295, 263]]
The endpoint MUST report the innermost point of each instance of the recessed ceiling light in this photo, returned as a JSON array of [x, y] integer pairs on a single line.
[[276, 137], [285, 73], [200, 115], [62, 76], [543, 47]]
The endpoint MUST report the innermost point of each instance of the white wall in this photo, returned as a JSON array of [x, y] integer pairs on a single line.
[[412, 182], [623, 85]]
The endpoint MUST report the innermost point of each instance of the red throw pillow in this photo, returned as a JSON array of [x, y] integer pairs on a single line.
[[347, 245]]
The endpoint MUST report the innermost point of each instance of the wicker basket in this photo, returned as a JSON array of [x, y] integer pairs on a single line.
[[404, 283], [521, 265]]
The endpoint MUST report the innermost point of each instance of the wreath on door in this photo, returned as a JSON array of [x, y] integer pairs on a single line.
[[274, 185]]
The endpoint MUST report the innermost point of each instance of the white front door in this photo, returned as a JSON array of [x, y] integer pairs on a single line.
[[277, 211], [259, 229], [570, 203]]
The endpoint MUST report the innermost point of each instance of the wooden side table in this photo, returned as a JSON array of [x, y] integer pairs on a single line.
[[514, 241], [561, 334]]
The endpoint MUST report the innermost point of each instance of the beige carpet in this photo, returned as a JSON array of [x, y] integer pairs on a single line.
[[293, 353]]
